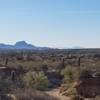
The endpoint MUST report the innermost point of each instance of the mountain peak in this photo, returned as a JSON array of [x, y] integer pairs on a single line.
[[21, 43]]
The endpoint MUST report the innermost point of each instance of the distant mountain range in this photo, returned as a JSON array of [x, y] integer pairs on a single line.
[[22, 45], [25, 45]]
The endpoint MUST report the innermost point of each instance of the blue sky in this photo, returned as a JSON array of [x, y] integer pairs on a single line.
[[53, 23]]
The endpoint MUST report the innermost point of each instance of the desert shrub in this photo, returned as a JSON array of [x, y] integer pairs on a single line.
[[70, 74], [28, 79], [5, 86], [36, 80], [41, 81], [42, 67], [69, 89]]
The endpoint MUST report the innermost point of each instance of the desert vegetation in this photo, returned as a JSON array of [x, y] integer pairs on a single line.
[[31, 75]]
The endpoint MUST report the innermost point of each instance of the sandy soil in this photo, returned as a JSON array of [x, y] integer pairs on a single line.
[[55, 93]]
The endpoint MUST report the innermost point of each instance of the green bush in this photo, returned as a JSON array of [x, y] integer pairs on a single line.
[[70, 74], [41, 81], [36, 80]]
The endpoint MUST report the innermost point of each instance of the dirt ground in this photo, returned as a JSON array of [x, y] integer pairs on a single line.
[[55, 93]]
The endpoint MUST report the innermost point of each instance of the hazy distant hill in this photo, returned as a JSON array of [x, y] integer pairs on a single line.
[[22, 45]]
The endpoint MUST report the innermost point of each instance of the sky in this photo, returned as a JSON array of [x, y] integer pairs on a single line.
[[52, 23]]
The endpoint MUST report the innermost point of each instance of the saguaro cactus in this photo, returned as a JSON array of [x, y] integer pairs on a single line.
[[79, 64], [13, 75], [79, 61], [6, 61], [63, 62]]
